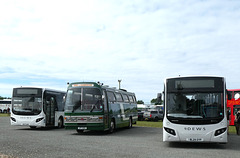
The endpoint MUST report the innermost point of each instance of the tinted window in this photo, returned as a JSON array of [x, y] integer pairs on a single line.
[[125, 98], [27, 91], [192, 106], [17, 92], [236, 95], [134, 97], [111, 97], [58, 99], [119, 97], [229, 95], [194, 84], [201, 84], [84, 99], [131, 98]]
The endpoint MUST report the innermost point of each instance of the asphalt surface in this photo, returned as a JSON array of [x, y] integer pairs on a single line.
[[143, 142]]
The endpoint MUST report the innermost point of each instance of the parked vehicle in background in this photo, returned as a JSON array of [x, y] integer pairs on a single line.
[[140, 115], [161, 115], [153, 115], [233, 102], [5, 105]]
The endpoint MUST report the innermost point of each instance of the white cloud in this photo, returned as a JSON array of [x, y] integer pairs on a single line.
[[49, 43]]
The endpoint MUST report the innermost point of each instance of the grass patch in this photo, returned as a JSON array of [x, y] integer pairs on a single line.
[[149, 124], [4, 115], [232, 129]]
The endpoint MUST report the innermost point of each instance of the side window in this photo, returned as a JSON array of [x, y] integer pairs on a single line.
[[125, 98], [105, 101], [119, 97], [229, 95], [47, 101], [135, 100], [131, 99], [59, 99], [236, 95], [111, 96]]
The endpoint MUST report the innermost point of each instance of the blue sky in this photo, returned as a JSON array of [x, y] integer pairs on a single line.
[[50, 43]]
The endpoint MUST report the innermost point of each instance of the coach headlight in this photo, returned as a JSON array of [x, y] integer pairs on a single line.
[[170, 131], [70, 119], [220, 131], [39, 119], [13, 119]]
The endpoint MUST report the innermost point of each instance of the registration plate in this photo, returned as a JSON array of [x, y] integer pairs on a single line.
[[82, 128], [195, 139]]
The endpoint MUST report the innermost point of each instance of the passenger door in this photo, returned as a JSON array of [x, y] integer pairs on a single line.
[[50, 109]]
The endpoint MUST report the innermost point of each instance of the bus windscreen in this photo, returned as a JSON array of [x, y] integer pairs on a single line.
[[84, 99]]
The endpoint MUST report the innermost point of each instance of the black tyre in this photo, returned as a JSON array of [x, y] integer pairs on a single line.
[[130, 123], [60, 123], [112, 126]]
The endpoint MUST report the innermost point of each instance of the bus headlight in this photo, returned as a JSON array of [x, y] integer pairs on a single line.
[[98, 119], [220, 131], [39, 119], [13, 119], [71, 119], [170, 131]]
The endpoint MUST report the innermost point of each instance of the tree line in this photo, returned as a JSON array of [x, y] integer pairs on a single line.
[[1, 98], [154, 101]]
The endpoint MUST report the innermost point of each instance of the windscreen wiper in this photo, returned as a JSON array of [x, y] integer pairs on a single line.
[[94, 106], [97, 103], [77, 105]]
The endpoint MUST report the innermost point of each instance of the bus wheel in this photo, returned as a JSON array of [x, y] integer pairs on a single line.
[[60, 123], [112, 126], [130, 123]]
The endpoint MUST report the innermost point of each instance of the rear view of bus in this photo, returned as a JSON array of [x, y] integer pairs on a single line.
[[195, 109], [37, 107]]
